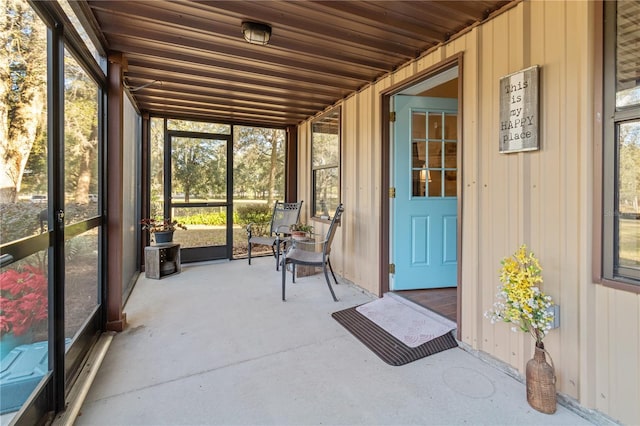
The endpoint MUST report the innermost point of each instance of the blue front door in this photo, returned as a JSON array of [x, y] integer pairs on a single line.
[[425, 205]]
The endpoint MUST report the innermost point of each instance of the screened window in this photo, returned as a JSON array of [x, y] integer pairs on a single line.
[[325, 162], [621, 189]]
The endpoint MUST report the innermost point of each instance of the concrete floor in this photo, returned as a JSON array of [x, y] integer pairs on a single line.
[[215, 345]]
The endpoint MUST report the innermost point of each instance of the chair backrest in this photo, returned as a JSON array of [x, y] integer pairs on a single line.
[[332, 229], [284, 214]]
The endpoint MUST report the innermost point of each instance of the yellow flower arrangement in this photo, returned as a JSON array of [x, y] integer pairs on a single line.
[[520, 300]]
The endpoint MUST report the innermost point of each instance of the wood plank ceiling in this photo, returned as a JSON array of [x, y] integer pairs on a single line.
[[189, 58]]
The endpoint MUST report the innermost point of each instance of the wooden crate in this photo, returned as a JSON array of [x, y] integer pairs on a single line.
[[162, 260]]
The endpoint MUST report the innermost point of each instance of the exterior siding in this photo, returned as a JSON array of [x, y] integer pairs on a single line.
[[542, 198]]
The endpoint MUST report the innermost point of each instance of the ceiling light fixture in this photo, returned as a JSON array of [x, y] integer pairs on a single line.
[[256, 33]]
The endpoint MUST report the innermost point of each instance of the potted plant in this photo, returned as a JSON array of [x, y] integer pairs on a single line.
[[23, 306], [521, 302], [162, 229], [300, 231]]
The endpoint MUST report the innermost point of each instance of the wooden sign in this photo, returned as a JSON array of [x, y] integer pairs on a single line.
[[519, 115]]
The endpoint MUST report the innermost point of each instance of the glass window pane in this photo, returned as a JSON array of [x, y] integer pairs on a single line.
[[82, 33], [419, 183], [451, 126], [434, 179], [629, 195], [627, 54], [450, 155], [325, 143], [81, 142], [325, 160], [199, 126], [198, 169], [259, 164], [326, 191], [450, 177], [419, 154], [23, 219], [418, 125], [24, 322], [23, 133], [258, 181], [435, 125], [435, 155], [206, 226], [81, 280]]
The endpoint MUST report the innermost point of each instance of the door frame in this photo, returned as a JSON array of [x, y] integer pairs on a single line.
[[385, 175], [200, 254]]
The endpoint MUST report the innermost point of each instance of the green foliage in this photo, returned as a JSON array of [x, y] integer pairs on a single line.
[[301, 227], [199, 167], [210, 219], [254, 213], [258, 214], [259, 155]]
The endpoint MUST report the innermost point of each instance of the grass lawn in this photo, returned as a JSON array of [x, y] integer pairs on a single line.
[[206, 235], [630, 242]]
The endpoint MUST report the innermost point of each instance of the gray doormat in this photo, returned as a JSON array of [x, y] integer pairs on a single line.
[[388, 348]]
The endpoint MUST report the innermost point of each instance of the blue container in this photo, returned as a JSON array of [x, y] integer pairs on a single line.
[[22, 370], [10, 341], [163, 237]]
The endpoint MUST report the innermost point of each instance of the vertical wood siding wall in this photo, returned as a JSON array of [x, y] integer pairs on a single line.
[[541, 198]]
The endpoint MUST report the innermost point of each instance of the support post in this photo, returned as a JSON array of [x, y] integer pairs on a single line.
[[116, 318]]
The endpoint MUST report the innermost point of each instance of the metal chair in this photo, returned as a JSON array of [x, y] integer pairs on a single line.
[[297, 256], [284, 215]]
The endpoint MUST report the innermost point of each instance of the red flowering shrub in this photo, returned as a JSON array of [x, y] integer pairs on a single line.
[[23, 299]]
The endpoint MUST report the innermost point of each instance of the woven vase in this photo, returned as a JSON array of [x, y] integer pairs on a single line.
[[541, 382]]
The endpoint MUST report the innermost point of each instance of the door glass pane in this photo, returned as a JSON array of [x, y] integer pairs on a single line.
[[435, 155], [451, 126], [81, 142], [206, 226], [81, 280], [418, 125], [434, 178], [435, 125], [628, 239], [419, 155], [450, 177], [419, 183], [198, 170], [450, 155]]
